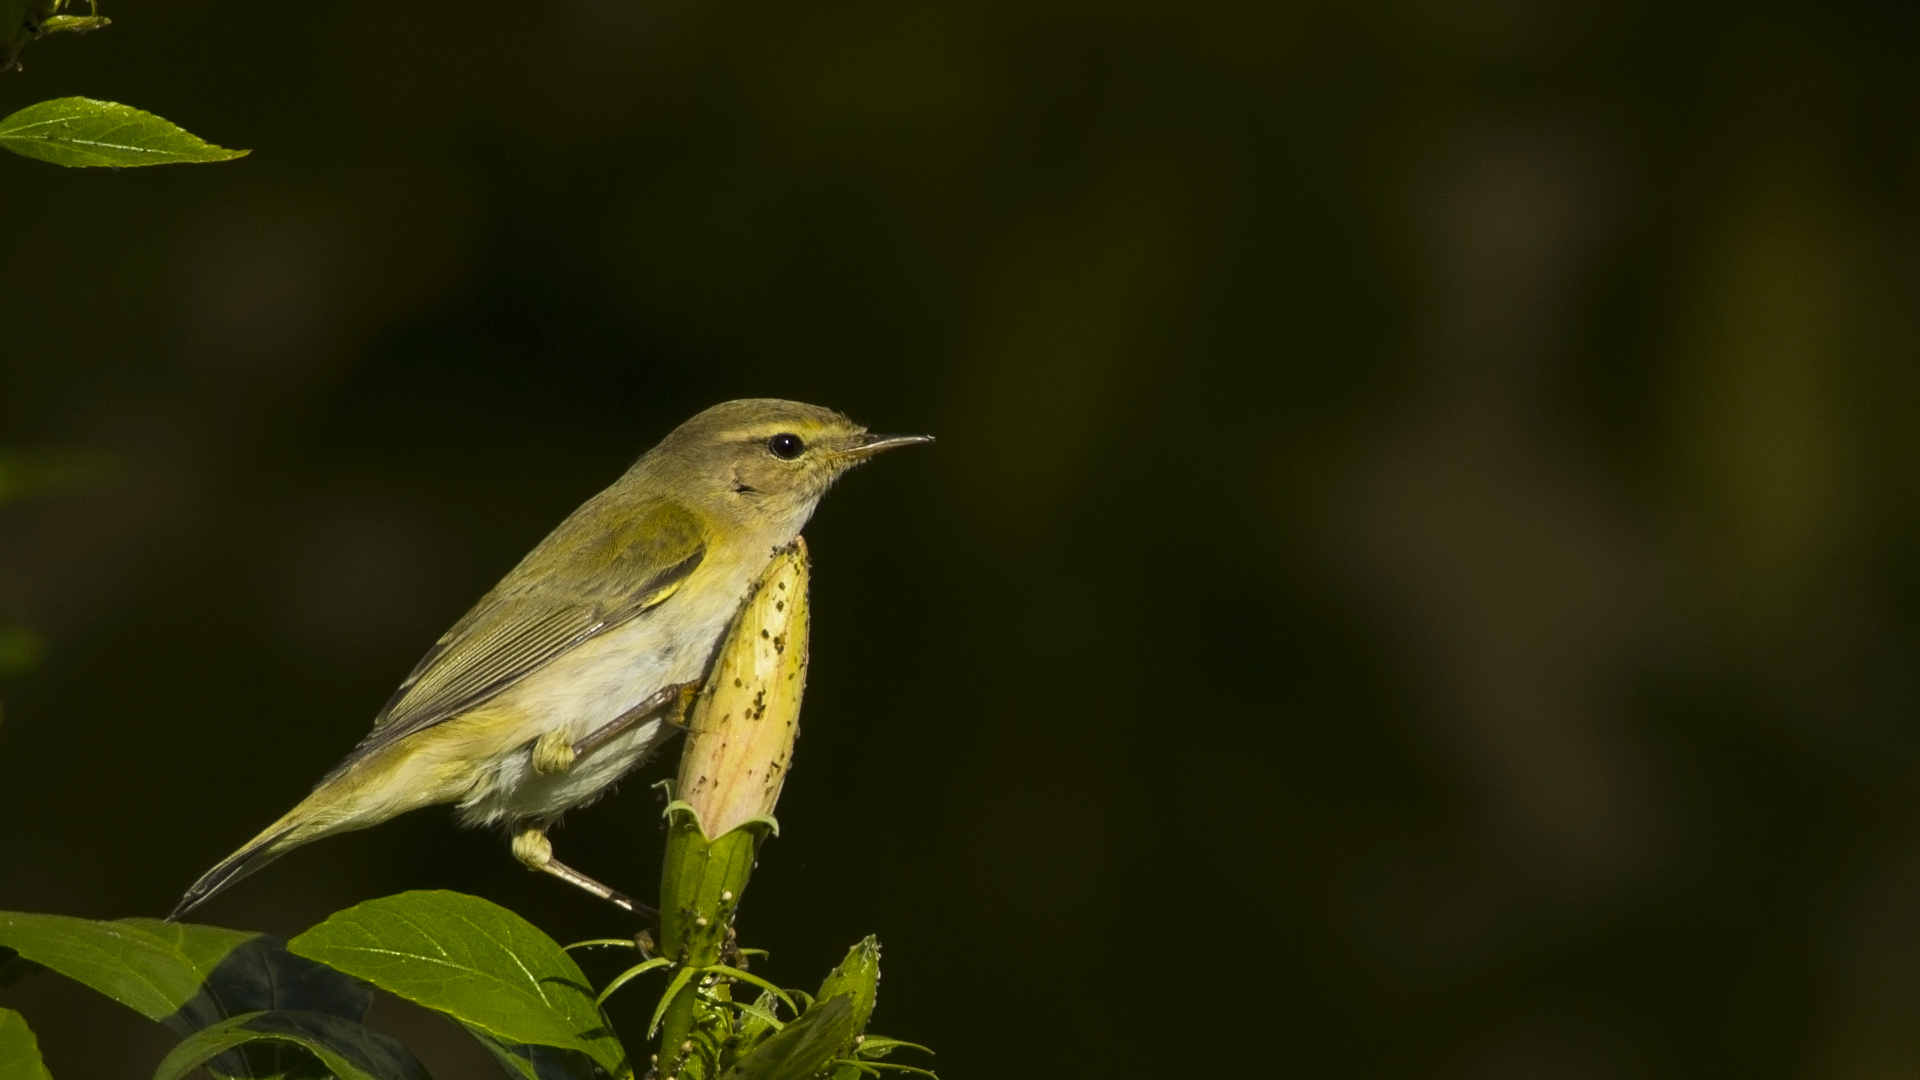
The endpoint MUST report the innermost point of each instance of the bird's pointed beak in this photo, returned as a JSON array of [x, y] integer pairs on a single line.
[[868, 445]]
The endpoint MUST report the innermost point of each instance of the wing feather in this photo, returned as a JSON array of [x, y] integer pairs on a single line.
[[618, 573]]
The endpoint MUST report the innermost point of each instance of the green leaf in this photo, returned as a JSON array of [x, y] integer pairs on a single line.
[[473, 960], [629, 975], [78, 131], [755, 980], [603, 942], [803, 1048], [680, 980], [153, 970], [262, 976], [879, 1046], [759, 1017], [874, 1067], [858, 980], [349, 1050], [164, 971], [19, 1052], [188, 977], [536, 1062]]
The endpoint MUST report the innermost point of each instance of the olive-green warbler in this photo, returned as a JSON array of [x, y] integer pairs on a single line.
[[576, 666]]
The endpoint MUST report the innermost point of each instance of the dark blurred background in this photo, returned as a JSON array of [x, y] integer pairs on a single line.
[[1420, 575]]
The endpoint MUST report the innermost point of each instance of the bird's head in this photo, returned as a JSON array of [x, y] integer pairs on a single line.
[[765, 459]]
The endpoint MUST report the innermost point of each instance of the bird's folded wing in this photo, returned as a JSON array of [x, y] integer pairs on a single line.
[[587, 578]]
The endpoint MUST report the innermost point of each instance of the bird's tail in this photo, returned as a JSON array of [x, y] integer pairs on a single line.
[[330, 809], [261, 850], [363, 793]]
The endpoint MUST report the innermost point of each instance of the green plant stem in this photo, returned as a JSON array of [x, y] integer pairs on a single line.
[[700, 889]]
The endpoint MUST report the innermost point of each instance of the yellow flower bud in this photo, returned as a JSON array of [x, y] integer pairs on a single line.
[[742, 726]]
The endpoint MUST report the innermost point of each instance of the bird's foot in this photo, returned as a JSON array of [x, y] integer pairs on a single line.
[[553, 753], [535, 852]]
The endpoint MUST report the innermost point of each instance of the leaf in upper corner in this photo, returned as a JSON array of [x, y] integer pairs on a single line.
[[473, 960], [77, 131], [803, 1048], [19, 1051], [345, 1048], [22, 21]]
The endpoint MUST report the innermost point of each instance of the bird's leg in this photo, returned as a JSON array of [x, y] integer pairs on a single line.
[[679, 695], [535, 851]]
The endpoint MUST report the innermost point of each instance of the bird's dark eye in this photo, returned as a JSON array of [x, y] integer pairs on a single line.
[[786, 446]]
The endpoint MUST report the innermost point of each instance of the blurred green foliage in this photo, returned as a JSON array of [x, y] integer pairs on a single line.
[[20, 650], [23, 475]]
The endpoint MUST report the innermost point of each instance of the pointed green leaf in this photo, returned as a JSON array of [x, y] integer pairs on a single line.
[[803, 1048], [680, 979], [879, 1046], [78, 131], [874, 1068], [19, 1051], [759, 1016], [473, 960], [346, 1048], [629, 975], [754, 980], [858, 980]]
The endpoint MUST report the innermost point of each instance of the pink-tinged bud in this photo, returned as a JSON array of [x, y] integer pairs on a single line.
[[742, 727]]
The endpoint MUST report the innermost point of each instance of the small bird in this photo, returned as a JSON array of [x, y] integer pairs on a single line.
[[580, 661]]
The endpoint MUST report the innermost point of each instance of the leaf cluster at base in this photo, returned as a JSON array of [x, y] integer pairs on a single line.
[[251, 1007]]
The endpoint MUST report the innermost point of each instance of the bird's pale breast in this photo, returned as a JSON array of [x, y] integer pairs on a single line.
[[590, 686]]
